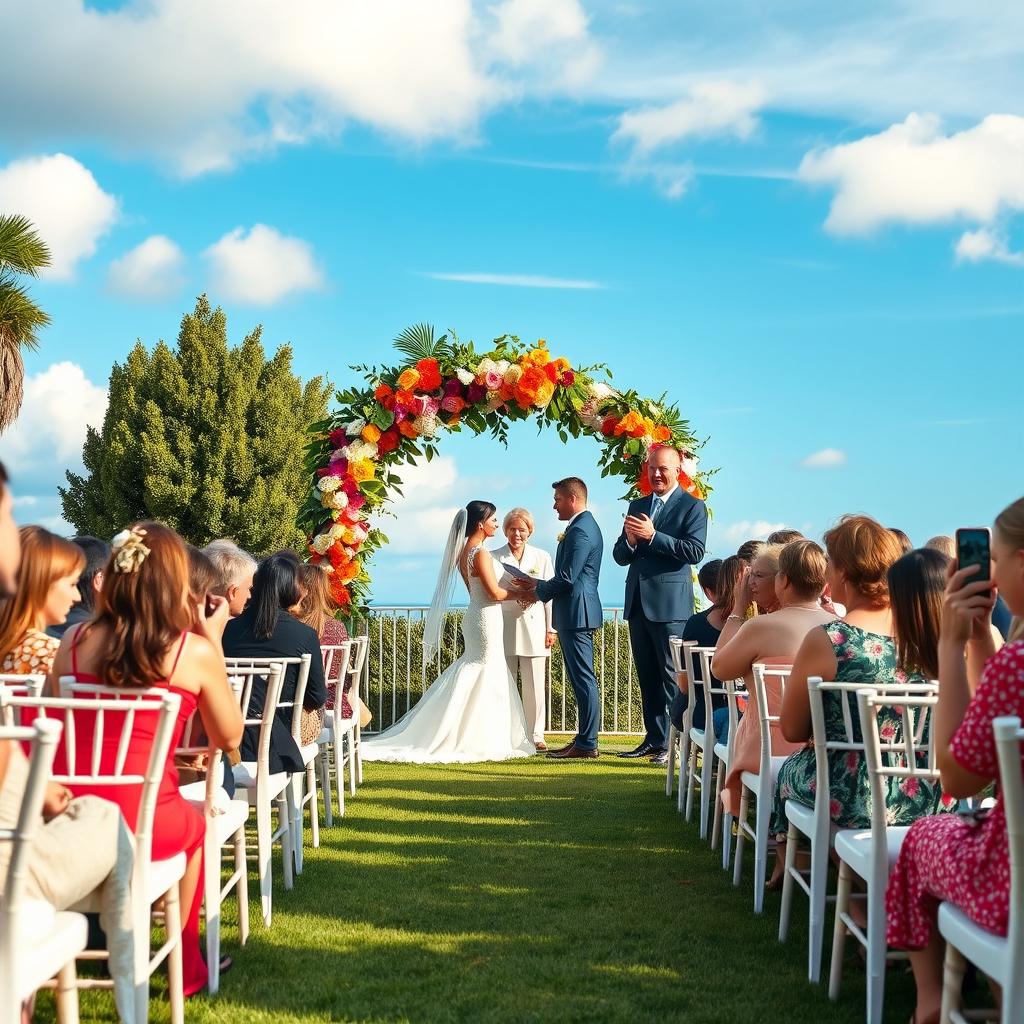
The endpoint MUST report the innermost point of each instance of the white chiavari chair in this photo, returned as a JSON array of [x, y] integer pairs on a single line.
[[336, 731], [357, 662], [92, 726], [36, 942], [1000, 958], [761, 784], [23, 684], [678, 740], [722, 824], [701, 740], [871, 853]]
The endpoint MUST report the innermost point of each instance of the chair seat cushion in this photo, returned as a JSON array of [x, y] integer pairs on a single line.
[[245, 778], [989, 952], [853, 845], [752, 780], [309, 751], [722, 753], [163, 874], [46, 940]]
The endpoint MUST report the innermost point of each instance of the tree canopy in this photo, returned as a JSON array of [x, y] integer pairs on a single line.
[[204, 437]]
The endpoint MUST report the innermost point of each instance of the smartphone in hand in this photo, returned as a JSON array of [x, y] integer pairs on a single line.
[[974, 547]]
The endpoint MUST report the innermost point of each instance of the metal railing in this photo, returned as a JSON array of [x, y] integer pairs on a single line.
[[393, 680]]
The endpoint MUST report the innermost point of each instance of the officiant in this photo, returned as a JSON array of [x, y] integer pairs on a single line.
[[528, 633]]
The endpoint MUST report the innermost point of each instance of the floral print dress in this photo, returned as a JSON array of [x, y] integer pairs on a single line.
[[861, 657], [962, 859], [32, 655]]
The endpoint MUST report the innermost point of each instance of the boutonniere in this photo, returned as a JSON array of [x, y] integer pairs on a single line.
[[534, 572], [560, 537]]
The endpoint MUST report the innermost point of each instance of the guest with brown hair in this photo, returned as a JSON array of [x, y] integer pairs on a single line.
[[47, 590], [785, 536], [318, 609]]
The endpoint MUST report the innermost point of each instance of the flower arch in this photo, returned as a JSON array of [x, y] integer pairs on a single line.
[[448, 385]]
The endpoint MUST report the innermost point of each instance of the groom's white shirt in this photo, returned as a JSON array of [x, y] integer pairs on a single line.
[[526, 629]]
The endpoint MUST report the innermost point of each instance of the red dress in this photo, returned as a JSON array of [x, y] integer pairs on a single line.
[[333, 635], [177, 826], [953, 858]]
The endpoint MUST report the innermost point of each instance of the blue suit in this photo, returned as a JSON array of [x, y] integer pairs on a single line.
[[659, 597], [575, 614]]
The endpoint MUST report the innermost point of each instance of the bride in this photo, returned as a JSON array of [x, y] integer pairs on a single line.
[[472, 712]]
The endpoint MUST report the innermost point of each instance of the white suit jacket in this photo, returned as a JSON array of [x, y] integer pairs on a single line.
[[526, 628]]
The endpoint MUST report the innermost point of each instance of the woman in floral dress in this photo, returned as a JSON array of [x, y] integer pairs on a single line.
[[964, 860], [47, 590], [859, 648]]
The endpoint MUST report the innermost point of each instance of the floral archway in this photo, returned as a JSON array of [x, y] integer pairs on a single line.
[[444, 385]]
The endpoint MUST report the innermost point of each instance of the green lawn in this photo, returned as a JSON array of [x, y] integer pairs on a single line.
[[526, 891]]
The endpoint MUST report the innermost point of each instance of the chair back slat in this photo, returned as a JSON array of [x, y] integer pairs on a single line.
[[23, 684], [303, 663], [242, 678], [337, 659], [763, 675]]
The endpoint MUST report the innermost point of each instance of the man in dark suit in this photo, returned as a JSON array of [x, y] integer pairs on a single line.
[[576, 608], [662, 537]]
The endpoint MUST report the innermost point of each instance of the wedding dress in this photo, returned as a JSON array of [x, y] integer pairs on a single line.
[[472, 711]]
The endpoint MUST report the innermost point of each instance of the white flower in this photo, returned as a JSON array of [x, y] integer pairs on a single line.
[[326, 484], [129, 550], [600, 391], [359, 450], [690, 465], [355, 428], [487, 365], [501, 366], [322, 543], [465, 377], [335, 500], [336, 531]]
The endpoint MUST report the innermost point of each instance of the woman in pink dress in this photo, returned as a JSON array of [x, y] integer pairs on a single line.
[[772, 640], [147, 633], [964, 860]]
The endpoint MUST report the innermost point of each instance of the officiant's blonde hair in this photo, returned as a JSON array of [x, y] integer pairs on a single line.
[[518, 513]]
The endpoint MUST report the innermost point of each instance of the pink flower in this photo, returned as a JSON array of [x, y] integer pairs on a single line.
[[475, 393], [834, 808], [492, 380], [947, 800], [452, 403], [813, 786], [452, 387], [887, 731], [911, 786], [852, 760], [356, 501]]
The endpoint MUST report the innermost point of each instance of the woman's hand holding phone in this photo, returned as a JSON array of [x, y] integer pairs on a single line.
[[966, 605]]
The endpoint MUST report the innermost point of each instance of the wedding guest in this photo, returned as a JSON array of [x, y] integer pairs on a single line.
[[662, 538], [202, 574], [318, 610], [748, 549], [783, 536], [718, 583], [944, 543], [235, 571], [91, 580], [144, 635], [528, 632], [961, 859], [47, 589], [770, 640], [1000, 612], [860, 648], [906, 544], [759, 581], [266, 629]]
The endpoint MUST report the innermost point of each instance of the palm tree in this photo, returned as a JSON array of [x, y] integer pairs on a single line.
[[22, 251]]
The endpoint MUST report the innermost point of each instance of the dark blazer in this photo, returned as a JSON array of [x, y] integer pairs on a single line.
[[290, 639], [572, 591], [659, 584]]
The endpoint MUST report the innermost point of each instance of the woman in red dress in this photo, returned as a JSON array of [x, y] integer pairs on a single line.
[[964, 860], [146, 632]]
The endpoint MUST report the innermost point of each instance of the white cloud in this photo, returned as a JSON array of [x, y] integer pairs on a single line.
[[518, 280], [986, 244], [736, 533], [827, 458], [48, 435], [152, 270], [711, 109], [65, 203], [914, 173], [425, 511], [262, 266]]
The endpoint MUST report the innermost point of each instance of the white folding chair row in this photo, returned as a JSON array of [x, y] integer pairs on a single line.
[[23, 684], [724, 756], [357, 662], [265, 790], [113, 724], [336, 731], [815, 823], [703, 740], [760, 784], [1000, 958], [678, 740], [871, 853], [31, 953], [306, 779], [225, 824]]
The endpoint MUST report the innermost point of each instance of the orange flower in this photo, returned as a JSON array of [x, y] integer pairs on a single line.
[[371, 433], [408, 379], [561, 365], [527, 386], [544, 394], [383, 392], [348, 572], [552, 372], [662, 434], [430, 374], [632, 424], [407, 429]]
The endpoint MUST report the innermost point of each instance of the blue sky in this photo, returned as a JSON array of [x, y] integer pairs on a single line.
[[804, 225]]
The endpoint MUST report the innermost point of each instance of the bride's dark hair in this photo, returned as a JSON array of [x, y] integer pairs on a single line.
[[476, 513]]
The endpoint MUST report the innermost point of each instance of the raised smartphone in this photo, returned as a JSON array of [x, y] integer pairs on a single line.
[[974, 547]]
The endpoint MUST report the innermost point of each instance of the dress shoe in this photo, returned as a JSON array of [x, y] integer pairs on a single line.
[[660, 759], [644, 750], [572, 753], [561, 750], [541, 746]]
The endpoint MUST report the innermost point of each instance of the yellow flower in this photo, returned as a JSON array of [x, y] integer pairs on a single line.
[[408, 379], [362, 470]]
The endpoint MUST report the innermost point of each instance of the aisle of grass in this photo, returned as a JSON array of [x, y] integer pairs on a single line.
[[525, 891]]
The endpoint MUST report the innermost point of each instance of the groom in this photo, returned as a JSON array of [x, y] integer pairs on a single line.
[[575, 608]]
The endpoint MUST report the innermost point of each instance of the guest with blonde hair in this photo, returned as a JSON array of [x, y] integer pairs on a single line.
[[318, 610], [528, 632], [47, 590], [235, 571]]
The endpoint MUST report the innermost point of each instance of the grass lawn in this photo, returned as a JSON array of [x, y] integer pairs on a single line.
[[525, 891]]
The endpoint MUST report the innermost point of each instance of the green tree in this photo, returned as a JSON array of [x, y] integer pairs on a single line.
[[22, 251], [207, 438]]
